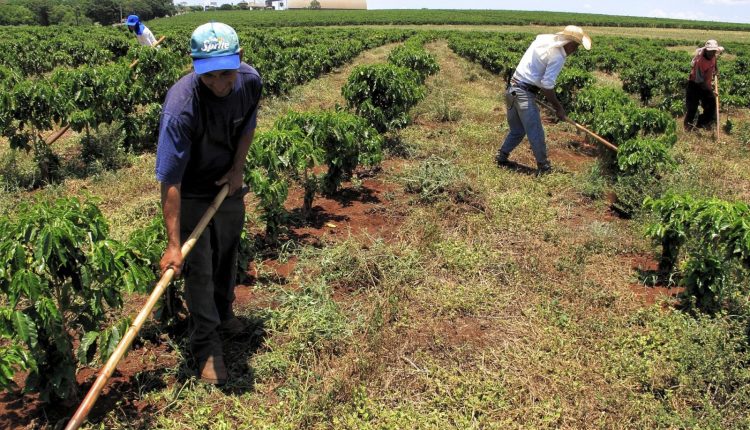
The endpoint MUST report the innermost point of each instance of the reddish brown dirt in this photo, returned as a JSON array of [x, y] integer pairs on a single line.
[[350, 211], [141, 371], [650, 292]]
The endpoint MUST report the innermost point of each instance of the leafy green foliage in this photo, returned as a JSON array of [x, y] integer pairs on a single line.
[[345, 141], [644, 156], [716, 237], [569, 82], [414, 58], [383, 93], [298, 143], [60, 275], [614, 116]]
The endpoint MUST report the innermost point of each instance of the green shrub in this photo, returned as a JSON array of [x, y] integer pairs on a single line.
[[265, 173], [614, 116], [142, 128], [644, 156], [60, 275], [414, 58], [712, 234], [383, 94], [344, 140], [569, 82]]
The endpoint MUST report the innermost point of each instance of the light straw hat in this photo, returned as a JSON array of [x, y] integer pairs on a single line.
[[576, 34], [712, 45]]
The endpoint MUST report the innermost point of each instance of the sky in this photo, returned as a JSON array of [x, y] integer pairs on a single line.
[[706, 10]]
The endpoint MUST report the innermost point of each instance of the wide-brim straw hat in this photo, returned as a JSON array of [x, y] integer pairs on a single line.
[[712, 45], [576, 34]]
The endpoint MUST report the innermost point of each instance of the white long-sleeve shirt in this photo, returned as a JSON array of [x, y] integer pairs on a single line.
[[146, 38], [542, 61]]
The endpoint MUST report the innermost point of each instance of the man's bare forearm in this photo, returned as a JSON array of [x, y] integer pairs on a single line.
[[551, 96], [170, 204], [241, 155]]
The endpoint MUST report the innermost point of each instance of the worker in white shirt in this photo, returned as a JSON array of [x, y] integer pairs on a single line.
[[537, 72], [142, 33]]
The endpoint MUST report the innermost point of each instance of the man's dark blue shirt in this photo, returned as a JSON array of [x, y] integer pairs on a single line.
[[199, 132]]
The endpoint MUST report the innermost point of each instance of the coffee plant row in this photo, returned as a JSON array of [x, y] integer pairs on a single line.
[[654, 70], [384, 93], [30, 51], [88, 96], [319, 150], [309, 18]]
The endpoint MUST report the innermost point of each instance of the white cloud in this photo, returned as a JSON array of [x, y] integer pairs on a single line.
[[693, 15], [587, 6]]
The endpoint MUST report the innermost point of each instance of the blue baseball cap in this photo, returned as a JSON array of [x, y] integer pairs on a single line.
[[214, 46], [133, 20]]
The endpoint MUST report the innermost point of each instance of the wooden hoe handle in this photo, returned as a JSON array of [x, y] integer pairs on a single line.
[[716, 86], [601, 140], [88, 402]]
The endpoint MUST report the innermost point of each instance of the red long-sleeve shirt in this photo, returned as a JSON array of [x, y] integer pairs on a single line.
[[704, 71]]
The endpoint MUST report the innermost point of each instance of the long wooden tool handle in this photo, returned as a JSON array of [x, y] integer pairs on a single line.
[[96, 389], [602, 140], [62, 131], [716, 84]]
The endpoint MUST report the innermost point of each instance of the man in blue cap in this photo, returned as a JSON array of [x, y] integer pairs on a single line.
[[142, 33], [207, 125]]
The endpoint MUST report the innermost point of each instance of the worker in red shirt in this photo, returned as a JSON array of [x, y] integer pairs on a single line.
[[700, 86]]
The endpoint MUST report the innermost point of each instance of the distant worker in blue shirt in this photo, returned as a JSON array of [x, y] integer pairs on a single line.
[[142, 33], [537, 72], [207, 126]]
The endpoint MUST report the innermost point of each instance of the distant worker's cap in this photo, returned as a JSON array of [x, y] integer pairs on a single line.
[[214, 46], [132, 20], [712, 45], [576, 34]]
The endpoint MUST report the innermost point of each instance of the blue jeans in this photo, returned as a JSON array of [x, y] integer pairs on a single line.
[[524, 120]]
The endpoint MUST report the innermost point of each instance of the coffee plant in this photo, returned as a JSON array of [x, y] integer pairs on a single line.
[[713, 234], [344, 141], [383, 93], [414, 57], [60, 276]]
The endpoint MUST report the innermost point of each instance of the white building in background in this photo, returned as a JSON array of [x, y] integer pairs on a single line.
[[208, 5], [280, 5]]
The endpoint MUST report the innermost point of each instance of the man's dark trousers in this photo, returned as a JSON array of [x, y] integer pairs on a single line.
[[210, 270], [696, 94]]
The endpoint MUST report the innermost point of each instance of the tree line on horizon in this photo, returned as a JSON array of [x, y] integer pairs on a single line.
[[79, 12]]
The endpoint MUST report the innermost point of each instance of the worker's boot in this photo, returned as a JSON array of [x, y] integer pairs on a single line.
[[501, 158], [543, 169], [213, 371]]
